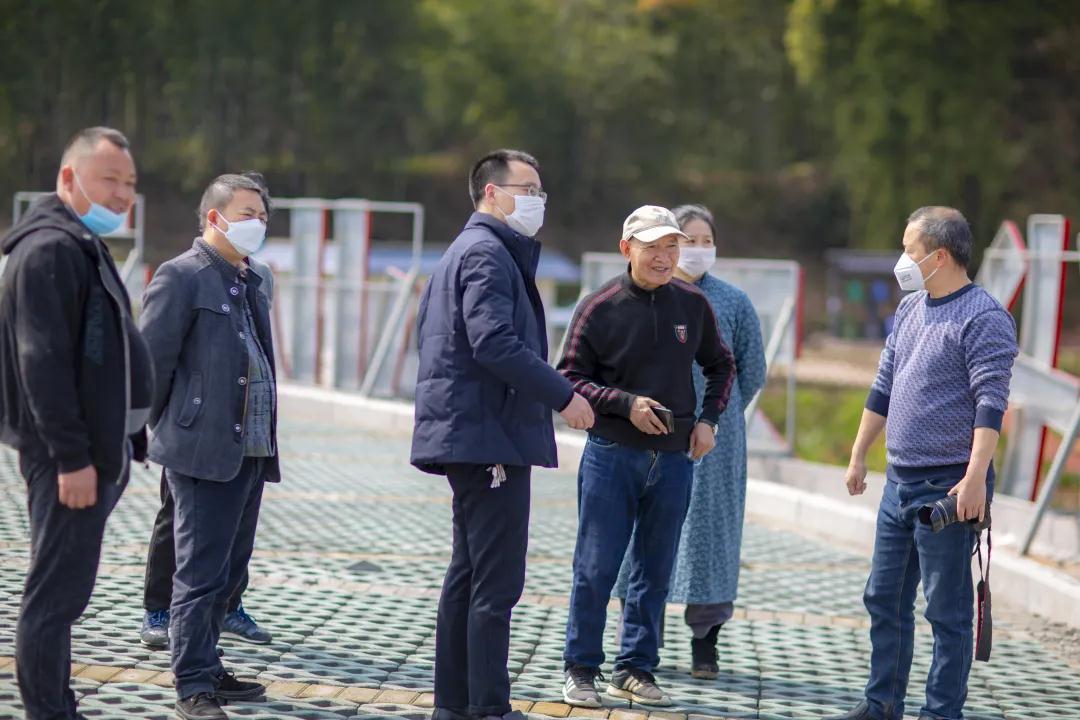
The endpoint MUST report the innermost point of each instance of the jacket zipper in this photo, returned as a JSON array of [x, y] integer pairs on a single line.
[[109, 288], [655, 326], [247, 373]]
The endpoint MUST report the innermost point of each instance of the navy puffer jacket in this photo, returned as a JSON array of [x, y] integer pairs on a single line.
[[485, 391]]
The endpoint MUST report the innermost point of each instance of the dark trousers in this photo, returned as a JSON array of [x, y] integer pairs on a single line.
[[483, 584], [619, 488], [161, 560], [65, 546], [215, 533]]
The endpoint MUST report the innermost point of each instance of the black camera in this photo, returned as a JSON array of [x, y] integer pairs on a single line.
[[940, 514]]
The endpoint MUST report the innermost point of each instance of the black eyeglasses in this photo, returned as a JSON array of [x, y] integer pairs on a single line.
[[533, 191]]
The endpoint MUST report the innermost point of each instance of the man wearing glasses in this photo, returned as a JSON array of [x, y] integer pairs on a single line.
[[484, 396]]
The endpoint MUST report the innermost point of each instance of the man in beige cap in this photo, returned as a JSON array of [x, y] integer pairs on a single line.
[[630, 352]]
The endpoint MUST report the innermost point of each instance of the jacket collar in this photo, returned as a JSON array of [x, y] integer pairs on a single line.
[[50, 211], [226, 269], [525, 250], [636, 291]]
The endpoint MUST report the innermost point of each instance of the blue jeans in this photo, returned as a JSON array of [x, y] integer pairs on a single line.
[[619, 487], [905, 552]]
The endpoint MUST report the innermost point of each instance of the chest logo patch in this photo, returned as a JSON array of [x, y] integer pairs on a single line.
[[680, 333]]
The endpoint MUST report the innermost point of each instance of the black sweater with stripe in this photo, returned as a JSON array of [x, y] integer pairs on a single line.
[[626, 342]]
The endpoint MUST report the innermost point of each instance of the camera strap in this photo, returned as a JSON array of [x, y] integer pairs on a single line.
[[984, 632]]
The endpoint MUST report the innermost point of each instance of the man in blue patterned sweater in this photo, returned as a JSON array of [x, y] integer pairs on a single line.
[[941, 390]]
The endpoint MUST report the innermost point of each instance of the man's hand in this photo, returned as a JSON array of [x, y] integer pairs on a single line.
[[579, 413], [78, 490], [970, 498], [702, 440], [644, 419], [856, 477]]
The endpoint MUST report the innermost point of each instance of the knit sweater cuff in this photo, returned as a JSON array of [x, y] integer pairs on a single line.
[[878, 402], [988, 417]]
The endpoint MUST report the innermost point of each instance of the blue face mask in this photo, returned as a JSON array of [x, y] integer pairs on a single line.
[[99, 219]]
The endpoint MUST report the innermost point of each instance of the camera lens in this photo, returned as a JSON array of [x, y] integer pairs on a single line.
[[939, 514]]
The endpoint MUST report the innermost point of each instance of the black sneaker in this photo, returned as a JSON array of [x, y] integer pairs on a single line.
[[579, 688], [861, 712], [703, 653], [200, 707], [229, 688], [637, 686], [439, 713]]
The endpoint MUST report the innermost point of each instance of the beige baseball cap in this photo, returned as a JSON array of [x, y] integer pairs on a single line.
[[649, 223]]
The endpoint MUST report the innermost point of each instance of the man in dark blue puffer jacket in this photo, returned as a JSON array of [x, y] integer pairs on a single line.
[[484, 397]]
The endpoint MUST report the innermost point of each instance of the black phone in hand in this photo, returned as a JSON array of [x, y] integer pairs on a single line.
[[666, 416]]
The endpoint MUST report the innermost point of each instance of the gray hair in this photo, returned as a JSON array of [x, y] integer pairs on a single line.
[[220, 192], [86, 140], [944, 228], [688, 213]]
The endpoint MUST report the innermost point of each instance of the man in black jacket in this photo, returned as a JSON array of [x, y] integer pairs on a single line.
[[75, 386], [630, 352], [206, 317]]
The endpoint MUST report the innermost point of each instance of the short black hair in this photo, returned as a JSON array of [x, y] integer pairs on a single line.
[[944, 228], [220, 191], [493, 168], [685, 213], [84, 142]]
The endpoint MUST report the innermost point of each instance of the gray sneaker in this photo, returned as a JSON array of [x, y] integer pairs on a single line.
[[154, 632], [579, 687], [637, 686], [242, 626]]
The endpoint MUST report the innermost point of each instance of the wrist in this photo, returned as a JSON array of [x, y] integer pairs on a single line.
[[973, 478]]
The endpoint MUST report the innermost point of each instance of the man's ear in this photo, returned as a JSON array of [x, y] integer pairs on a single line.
[[67, 178], [624, 248]]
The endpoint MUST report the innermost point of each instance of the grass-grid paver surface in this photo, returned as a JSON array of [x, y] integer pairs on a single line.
[[350, 555]]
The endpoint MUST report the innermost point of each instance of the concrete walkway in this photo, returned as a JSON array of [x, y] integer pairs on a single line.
[[347, 568]]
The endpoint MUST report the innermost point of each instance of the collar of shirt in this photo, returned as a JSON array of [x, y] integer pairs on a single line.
[[639, 293], [230, 272]]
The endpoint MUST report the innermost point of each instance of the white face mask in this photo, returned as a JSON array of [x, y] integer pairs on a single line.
[[245, 235], [528, 215], [696, 261], [909, 275]]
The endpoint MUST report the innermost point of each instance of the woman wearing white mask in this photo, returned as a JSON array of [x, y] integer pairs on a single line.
[[706, 574]]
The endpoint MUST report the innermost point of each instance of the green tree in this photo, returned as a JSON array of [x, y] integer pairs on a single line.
[[916, 94]]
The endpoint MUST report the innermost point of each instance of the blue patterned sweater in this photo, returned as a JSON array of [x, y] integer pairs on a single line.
[[945, 371]]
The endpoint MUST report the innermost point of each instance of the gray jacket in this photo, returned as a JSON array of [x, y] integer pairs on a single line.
[[193, 321]]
